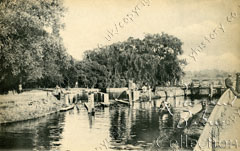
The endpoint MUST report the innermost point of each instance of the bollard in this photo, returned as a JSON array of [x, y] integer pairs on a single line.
[[238, 82]]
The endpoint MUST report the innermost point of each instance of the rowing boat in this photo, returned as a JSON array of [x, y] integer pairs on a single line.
[[66, 108], [122, 101]]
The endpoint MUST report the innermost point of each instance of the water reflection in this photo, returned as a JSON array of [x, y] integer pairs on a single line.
[[140, 127], [40, 134]]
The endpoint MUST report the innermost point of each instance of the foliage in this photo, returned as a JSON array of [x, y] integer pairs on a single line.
[[151, 61], [32, 53], [31, 50]]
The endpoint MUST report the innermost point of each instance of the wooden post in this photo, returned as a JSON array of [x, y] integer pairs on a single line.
[[130, 97], [99, 97], [211, 90], [71, 96], [135, 95], [66, 99], [238, 82], [150, 93], [69, 99], [75, 98], [78, 97], [130, 84], [91, 103], [175, 102], [130, 90], [106, 98], [154, 103]]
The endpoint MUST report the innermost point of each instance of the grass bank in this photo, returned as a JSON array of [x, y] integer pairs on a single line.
[[27, 105]]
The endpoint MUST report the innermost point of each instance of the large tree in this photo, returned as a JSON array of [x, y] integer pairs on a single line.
[[152, 60], [31, 48]]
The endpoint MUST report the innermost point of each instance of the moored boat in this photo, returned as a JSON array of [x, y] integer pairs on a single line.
[[66, 108], [122, 101]]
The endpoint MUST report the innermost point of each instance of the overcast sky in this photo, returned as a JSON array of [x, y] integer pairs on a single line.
[[88, 21]]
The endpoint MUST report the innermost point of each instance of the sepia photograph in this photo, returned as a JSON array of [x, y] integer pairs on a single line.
[[119, 75]]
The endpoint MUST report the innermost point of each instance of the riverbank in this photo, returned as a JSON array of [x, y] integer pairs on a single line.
[[27, 105]]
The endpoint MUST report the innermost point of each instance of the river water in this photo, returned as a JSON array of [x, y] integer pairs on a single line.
[[119, 127]]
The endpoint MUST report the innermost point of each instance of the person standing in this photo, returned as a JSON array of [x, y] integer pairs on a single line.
[[58, 91], [211, 90], [144, 89], [76, 85], [20, 88], [229, 85], [228, 82]]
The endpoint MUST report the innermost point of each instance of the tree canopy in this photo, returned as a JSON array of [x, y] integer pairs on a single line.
[[31, 49], [32, 53], [152, 60]]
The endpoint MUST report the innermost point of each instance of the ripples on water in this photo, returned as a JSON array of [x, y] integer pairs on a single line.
[[116, 128]]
